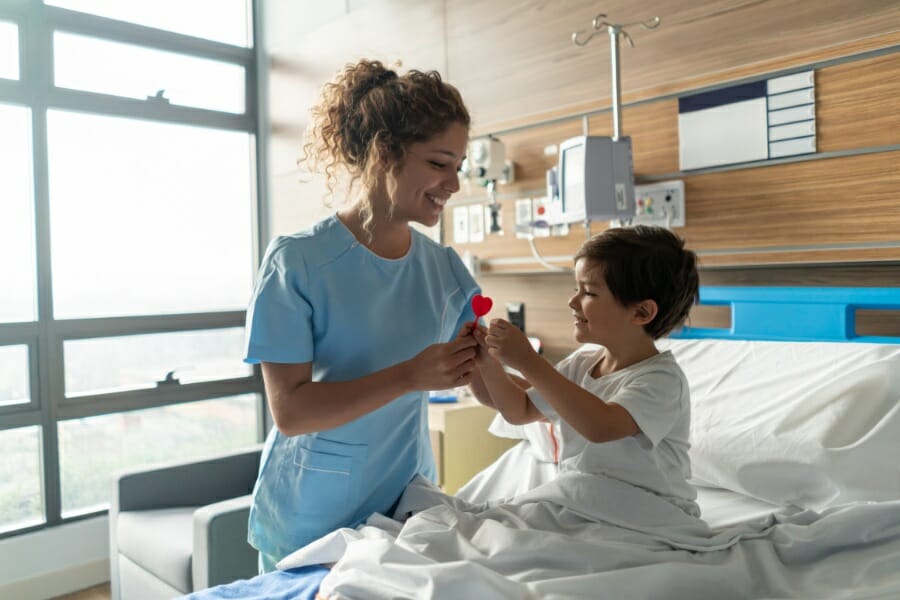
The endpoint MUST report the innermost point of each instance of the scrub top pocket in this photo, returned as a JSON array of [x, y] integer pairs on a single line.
[[326, 474]]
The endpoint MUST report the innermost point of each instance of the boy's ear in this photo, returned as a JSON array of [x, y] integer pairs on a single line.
[[644, 312]]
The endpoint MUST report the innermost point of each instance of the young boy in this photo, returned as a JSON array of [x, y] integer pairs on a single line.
[[622, 410]]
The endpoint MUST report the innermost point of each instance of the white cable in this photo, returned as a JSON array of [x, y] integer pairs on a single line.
[[549, 266]]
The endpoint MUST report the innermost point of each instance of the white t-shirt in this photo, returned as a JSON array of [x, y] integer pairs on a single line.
[[655, 392]]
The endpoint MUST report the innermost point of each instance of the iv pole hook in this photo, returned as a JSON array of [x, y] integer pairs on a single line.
[[599, 23]]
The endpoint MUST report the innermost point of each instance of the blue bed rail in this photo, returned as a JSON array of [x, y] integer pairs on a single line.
[[813, 314]]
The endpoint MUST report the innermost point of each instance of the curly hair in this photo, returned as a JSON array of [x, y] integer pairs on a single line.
[[367, 118], [647, 263]]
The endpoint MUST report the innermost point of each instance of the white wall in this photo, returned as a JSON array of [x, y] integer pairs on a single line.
[[55, 561]]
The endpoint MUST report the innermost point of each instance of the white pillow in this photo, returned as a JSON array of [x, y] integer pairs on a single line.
[[803, 423]]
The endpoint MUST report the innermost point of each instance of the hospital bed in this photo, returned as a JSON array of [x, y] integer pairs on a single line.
[[795, 439]]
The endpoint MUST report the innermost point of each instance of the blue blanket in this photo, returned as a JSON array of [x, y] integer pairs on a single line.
[[296, 584]]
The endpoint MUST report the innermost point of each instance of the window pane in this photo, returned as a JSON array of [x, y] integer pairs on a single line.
[[9, 50], [139, 361], [92, 449], [94, 65], [148, 218], [17, 277], [21, 500], [225, 21], [14, 375]]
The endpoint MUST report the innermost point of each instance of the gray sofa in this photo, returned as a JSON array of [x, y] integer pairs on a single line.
[[181, 527]]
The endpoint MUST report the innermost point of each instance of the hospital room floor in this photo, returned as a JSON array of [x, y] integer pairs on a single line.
[[99, 592]]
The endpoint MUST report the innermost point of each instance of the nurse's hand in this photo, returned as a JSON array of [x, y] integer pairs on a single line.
[[442, 366]]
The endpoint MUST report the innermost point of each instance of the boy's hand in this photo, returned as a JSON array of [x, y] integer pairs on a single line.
[[478, 332], [509, 344]]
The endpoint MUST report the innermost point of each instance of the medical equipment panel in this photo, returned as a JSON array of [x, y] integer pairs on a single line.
[[596, 180]]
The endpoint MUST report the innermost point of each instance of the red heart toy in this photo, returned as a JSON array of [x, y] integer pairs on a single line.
[[481, 305]]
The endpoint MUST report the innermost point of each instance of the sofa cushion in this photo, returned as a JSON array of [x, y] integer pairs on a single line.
[[160, 541], [139, 584]]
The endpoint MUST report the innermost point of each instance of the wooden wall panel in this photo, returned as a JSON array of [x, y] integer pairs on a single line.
[[835, 201], [301, 61], [795, 208], [515, 64], [860, 104], [841, 209], [514, 60]]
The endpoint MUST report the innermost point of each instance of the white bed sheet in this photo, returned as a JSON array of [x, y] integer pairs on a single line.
[[598, 539], [723, 508], [520, 531]]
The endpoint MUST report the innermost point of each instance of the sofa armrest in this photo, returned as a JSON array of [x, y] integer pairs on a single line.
[[188, 483], [221, 552]]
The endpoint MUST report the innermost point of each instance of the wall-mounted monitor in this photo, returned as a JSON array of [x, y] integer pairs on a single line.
[[596, 179]]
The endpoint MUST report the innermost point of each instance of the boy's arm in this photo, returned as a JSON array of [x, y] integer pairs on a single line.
[[596, 420], [505, 392], [589, 415]]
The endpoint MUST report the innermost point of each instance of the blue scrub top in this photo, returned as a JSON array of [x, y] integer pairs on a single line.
[[323, 297]]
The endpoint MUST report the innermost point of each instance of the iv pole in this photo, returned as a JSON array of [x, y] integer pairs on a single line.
[[614, 30]]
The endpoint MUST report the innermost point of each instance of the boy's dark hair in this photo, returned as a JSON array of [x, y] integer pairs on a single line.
[[647, 263]]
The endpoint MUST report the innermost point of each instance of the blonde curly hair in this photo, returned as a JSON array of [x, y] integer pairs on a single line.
[[367, 118]]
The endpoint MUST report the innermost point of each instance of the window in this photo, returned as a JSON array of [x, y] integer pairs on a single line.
[[225, 21], [9, 50], [146, 361], [156, 216], [91, 449], [17, 302], [14, 376], [128, 218], [21, 500], [85, 63]]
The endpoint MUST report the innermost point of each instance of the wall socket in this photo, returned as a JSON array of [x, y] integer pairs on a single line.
[[660, 203]]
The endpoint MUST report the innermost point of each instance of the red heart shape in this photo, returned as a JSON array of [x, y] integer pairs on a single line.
[[481, 305]]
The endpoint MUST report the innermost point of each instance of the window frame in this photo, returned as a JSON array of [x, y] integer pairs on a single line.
[[45, 336]]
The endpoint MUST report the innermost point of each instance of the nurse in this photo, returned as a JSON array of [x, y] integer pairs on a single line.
[[356, 318]]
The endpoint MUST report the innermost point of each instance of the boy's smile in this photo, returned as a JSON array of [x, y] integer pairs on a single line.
[[599, 317]]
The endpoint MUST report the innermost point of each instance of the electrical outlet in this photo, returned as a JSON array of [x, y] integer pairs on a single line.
[[541, 214], [476, 223], [523, 218], [460, 224], [660, 203]]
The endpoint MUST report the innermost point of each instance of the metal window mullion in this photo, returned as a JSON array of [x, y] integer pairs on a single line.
[[13, 92], [117, 326], [13, 333], [142, 35], [19, 419], [38, 61], [105, 404], [23, 334], [261, 225], [119, 106]]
